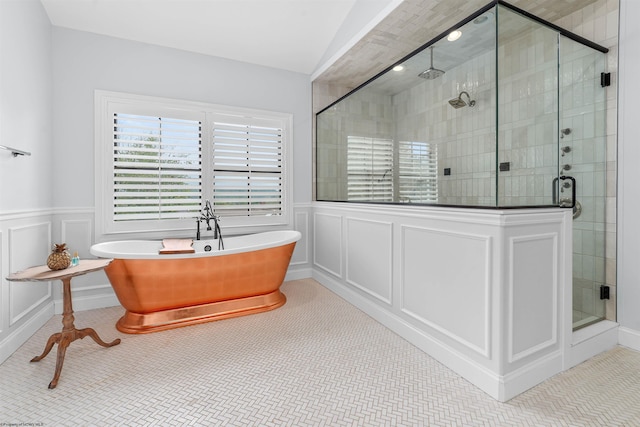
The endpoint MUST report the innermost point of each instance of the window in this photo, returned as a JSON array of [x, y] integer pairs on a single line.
[[158, 160], [369, 169], [156, 167], [418, 172], [247, 167]]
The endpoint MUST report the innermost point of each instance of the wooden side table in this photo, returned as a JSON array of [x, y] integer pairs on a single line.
[[69, 332]]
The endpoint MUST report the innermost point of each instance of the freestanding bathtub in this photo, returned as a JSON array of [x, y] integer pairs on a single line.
[[164, 291]]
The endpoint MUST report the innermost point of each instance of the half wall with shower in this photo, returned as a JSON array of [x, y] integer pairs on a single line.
[[501, 111]]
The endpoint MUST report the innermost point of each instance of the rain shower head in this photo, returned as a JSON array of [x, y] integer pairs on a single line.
[[459, 103], [431, 73]]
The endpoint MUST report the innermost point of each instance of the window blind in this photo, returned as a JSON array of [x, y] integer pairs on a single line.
[[156, 167], [417, 172], [247, 166], [369, 169]]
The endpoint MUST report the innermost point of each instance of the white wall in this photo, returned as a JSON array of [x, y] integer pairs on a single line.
[[25, 105], [83, 62], [629, 176], [25, 182]]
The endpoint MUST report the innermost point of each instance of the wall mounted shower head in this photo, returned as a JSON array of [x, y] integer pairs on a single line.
[[459, 103], [431, 73]]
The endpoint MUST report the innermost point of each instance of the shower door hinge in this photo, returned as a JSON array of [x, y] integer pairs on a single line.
[[605, 79], [604, 292]]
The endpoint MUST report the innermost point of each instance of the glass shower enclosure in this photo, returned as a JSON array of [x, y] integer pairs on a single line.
[[502, 111]]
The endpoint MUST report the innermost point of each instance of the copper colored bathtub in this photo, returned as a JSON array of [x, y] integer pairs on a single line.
[[161, 292]]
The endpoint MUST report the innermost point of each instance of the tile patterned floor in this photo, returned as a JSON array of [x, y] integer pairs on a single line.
[[316, 361]]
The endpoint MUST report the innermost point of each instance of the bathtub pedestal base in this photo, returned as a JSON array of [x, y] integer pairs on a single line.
[[141, 323]]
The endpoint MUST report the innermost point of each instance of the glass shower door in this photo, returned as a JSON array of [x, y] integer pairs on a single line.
[[582, 155]]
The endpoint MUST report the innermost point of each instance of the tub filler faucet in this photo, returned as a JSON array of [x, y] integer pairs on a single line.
[[207, 215]]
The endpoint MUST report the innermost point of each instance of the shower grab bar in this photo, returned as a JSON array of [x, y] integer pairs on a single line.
[[15, 151], [555, 200]]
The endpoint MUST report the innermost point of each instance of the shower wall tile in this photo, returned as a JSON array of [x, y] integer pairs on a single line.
[[465, 137], [363, 114]]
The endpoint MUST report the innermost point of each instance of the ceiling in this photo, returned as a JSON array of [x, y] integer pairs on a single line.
[[287, 34]]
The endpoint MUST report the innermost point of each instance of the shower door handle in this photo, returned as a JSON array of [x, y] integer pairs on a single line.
[[554, 193], [573, 189]]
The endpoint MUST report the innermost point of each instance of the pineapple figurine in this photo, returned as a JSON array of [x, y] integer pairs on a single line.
[[59, 259]]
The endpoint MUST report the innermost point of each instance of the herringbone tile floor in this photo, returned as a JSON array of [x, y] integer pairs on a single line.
[[316, 361]]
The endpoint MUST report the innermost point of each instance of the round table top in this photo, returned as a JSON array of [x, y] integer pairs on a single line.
[[42, 273]]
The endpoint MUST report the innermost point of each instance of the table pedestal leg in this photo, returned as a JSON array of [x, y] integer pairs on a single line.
[[69, 334]]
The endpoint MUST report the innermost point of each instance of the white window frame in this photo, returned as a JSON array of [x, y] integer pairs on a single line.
[[106, 102]]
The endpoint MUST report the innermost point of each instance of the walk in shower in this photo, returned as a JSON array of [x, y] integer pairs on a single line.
[[502, 111]]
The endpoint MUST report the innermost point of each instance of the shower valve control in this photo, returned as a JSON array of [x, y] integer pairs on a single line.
[[565, 150], [566, 167]]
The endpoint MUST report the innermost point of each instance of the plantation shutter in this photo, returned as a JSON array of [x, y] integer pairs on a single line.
[[246, 166], [418, 172], [369, 169], [156, 167]]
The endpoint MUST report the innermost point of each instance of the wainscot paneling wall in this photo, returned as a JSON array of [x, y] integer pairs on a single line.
[[26, 306], [486, 292]]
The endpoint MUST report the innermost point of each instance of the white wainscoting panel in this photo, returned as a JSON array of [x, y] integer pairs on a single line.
[[482, 291], [446, 284], [301, 253], [327, 242], [24, 252], [533, 294], [369, 247], [77, 235], [4, 290]]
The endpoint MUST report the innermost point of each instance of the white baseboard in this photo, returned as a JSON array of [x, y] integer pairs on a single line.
[[473, 372], [90, 302], [297, 274], [591, 341], [499, 387], [18, 337], [530, 375], [629, 338]]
